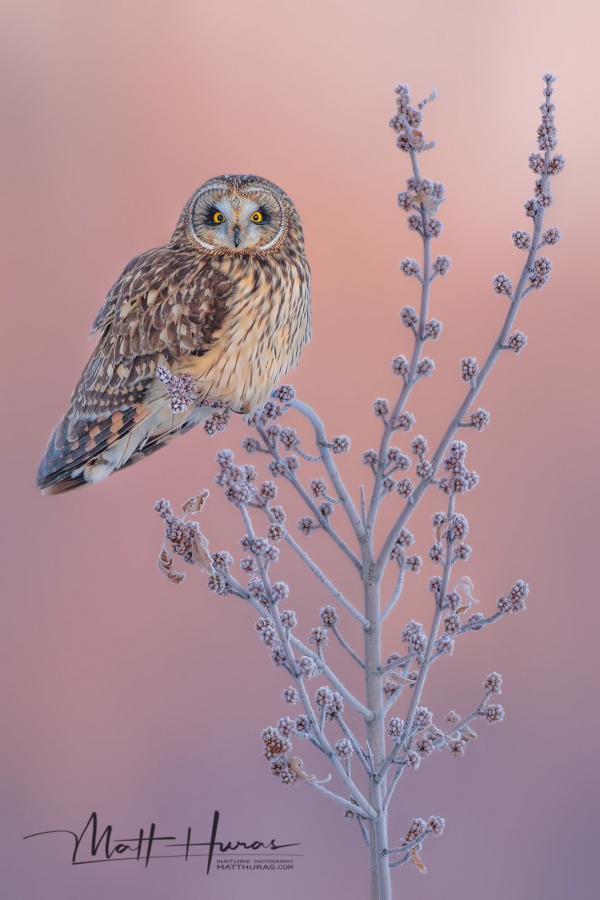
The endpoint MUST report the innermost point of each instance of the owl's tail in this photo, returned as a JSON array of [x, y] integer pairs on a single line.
[[92, 451]]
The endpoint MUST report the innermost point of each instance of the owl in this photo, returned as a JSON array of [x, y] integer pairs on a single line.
[[224, 306]]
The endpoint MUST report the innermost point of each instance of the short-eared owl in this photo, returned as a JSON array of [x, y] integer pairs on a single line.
[[226, 303]]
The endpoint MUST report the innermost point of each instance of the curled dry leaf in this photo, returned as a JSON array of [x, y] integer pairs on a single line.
[[200, 552], [165, 566], [468, 734], [195, 504], [416, 138], [296, 766], [416, 859]]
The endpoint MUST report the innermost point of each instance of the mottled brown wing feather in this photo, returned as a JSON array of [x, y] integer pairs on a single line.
[[168, 303]]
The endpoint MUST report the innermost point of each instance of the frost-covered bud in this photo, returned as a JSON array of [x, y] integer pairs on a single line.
[[405, 200], [424, 745], [462, 551], [460, 527], [436, 824], [273, 431], [436, 553], [288, 618], [405, 421], [503, 284], [476, 621], [445, 644], [302, 726], [416, 831], [541, 272], [493, 683], [305, 525], [433, 228], [318, 487], [279, 591], [336, 707], [271, 553], [425, 367], [326, 508], [557, 164], [290, 695], [251, 444], [551, 236], [276, 532], [516, 596], [369, 458], [469, 368], [343, 748], [288, 438], [409, 317], [255, 588], [536, 163], [248, 565], [275, 743], [391, 687], [452, 717], [479, 419], [494, 713], [285, 726], [521, 240], [432, 330], [307, 667], [424, 469], [318, 636], [405, 488], [400, 366], [323, 697], [381, 407], [404, 539], [418, 445], [413, 563], [457, 747], [221, 559], [278, 514], [278, 656], [517, 341], [531, 208], [422, 719], [285, 393], [415, 223], [472, 479], [452, 623], [435, 584], [412, 759], [395, 727], [441, 264], [218, 583], [329, 616], [409, 267], [340, 444], [394, 455], [278, 468]]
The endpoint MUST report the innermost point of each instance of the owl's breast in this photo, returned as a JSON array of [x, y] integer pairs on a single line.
[[267, 323]]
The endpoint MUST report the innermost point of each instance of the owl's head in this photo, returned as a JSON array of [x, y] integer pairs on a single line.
[[238, 214]]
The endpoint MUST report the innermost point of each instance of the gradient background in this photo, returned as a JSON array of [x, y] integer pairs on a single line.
[[144, 702]]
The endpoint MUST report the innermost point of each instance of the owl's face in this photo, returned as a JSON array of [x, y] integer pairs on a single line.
[[237, 214]]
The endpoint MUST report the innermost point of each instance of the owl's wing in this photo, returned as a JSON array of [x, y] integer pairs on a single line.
[[167, 303]]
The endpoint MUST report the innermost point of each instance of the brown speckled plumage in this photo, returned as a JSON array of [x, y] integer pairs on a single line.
[[235, 317]]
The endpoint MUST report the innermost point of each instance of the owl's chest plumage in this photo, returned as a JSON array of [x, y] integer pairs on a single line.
[[267, 323]]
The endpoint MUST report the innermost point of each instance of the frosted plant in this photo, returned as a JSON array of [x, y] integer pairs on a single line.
[[361, 740]]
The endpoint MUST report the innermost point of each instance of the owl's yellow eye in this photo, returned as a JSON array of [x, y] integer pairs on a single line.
[[256, 216], [218, 217]]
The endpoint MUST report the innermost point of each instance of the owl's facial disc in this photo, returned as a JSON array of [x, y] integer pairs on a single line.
[[237, 221]]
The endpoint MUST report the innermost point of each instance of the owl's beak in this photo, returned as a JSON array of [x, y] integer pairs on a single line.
[[236, 235]]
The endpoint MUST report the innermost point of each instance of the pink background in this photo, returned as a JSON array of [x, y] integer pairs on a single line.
[[144, 702]]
